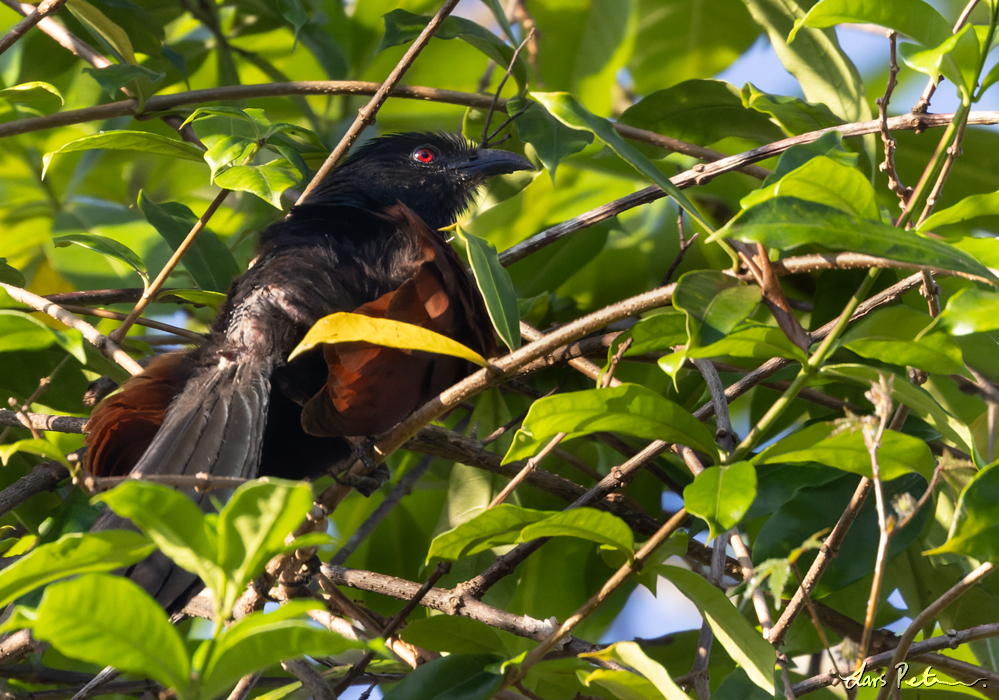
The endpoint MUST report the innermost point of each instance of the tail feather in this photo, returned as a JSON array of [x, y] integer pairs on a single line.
[[215, 426]]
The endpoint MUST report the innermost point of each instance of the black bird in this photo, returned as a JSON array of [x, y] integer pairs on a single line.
[[366, 240]]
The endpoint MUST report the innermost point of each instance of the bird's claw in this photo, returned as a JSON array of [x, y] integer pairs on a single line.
[[374, 477]]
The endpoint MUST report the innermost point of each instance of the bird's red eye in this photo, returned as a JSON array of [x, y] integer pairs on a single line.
[[424, 155]]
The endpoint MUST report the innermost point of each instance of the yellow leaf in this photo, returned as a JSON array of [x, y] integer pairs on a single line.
[[346, 328]]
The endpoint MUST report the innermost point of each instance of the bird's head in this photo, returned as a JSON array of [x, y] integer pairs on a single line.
[[435, 175]]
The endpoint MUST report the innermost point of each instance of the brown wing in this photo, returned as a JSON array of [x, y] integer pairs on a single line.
[[371, 388], [123, 425]]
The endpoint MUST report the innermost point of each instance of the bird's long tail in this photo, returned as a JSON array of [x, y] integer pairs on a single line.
[[214, 426]]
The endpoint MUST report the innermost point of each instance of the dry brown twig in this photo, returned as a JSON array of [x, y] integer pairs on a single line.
[[888, 165]]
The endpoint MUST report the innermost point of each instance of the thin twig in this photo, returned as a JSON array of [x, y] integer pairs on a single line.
[[920, 621], [888, 165], [42, 421], [108, 347], [22, 411], [684, 245], [880, 396], [44, 476], [829, 550], [403, 488], [150, 293], [586, 367], [612, 584], [506, 76], [148, 323], [366, 115], [724, 435], [44, 9]]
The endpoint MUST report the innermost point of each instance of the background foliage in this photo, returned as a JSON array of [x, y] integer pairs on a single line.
[[882, 420]]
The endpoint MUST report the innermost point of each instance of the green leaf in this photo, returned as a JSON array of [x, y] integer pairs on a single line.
[[253, 525], [115, 77], [969, 311], [567, 110], [913, 18], [71, 555], [490, 528], [35, 91], [208, 260], [974, 531], [20, 331], [585, 523], [10, 275], [752, 340], [744, 644], [174, 523], [813, 56], [199, 297], [701, 112], [653, 333], [496, 287], [107, 247], [971, 207], [552, 140], [677, 41], [401, 27], [266, 181], [227, 150], [786, 223], [630, 654], [899, 453], [214, 123], [714, 304], [622, 684], [825, 181], [721, 495], [830, 145], [294, 14], [109, 620], [455, 635], [629, 409], [39, 446], [345, 327], [109, 33], [453, 677], [122, 140], [936, 60], [263, 639], [916, 398], [794, 116], [898, 336]]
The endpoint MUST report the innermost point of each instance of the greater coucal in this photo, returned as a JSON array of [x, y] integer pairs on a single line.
[[366, 240]]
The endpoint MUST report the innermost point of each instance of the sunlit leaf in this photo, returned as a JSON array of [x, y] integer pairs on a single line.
[[71, 555], [743, 643], [496, 287], [107, 247], [629, 409], [346, 327], [109, 620], [121, 140], [721, 495], [786, 223]]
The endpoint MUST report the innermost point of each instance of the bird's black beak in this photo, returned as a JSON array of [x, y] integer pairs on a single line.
[[486, 162]]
